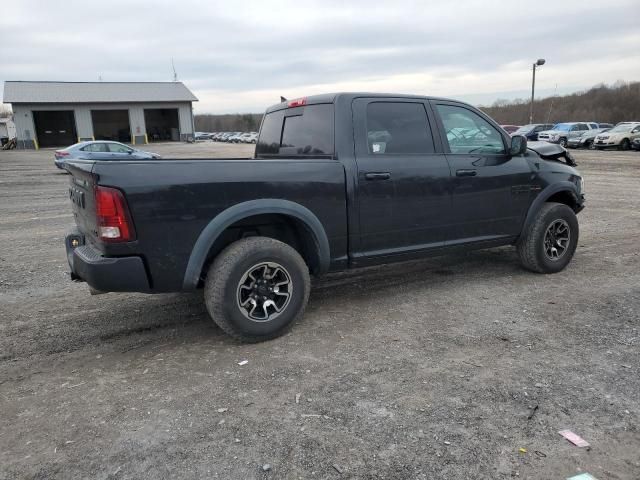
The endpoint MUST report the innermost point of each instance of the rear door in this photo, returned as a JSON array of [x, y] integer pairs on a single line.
[[403, 196], [491, 190]]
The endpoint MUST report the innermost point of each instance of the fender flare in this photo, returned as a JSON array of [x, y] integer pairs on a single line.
[[544, 195], [247, 209]]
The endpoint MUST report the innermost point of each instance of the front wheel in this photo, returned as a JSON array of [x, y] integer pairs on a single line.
[[590, 145], [257, 288], [548, 244], [563, 142]]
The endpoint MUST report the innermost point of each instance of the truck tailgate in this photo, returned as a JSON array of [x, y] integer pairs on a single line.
[[82, 197]]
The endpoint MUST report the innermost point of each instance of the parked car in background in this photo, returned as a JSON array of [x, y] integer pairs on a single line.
[[510, 128], [562, 132], [531, 131], [234, 137], [586, 139], [202, 136], [619, 136], [100, 150]]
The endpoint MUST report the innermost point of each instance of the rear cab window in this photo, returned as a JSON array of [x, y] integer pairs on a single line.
[[305, 132]]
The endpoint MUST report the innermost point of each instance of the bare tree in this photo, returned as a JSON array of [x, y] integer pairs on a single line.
[[601, 103]]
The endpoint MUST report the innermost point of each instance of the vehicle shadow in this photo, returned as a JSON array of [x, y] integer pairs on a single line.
[[125, 322]]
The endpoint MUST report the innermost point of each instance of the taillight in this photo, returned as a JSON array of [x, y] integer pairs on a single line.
[[60, 153], [298, 102], [113, 219]]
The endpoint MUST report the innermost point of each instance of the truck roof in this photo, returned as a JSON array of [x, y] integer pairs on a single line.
[[332, 97]]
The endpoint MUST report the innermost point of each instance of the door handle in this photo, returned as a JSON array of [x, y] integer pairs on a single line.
[[377, 176], [466, 173]]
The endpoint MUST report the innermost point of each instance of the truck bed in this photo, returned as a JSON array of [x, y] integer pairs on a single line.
[[172, 201]]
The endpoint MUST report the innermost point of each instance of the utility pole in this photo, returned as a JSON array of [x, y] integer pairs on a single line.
[[175, 74], [539, 63]]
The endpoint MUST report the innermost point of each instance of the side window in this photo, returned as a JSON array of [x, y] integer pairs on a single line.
[[583, 126], [468, 132], [95, 147], [309, 133], [116, 148], [636, 130], [398, 128]]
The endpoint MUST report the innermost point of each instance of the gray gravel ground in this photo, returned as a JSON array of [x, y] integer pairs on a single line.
[[427, 370]]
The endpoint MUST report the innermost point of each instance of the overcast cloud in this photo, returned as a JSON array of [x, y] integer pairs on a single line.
[[241, 56]]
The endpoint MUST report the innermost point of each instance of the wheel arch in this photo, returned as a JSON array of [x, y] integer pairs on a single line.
[[318, 255], [561, 192]]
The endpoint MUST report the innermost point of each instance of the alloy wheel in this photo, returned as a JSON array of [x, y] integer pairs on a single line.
[[264, 291], [556, 239]]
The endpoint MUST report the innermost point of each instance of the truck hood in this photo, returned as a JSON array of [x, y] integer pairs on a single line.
[[551, 151]]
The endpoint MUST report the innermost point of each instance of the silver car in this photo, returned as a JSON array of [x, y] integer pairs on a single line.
[[100, 150], [562, 132]]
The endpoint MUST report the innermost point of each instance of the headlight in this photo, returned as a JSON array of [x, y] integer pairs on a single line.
[[581, 184]]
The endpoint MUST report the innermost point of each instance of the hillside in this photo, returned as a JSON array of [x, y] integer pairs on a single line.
[[602, 103]]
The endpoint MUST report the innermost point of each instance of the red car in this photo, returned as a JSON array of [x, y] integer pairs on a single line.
[[510, 128]]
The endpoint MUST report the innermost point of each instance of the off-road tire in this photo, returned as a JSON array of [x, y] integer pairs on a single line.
[[531, 248], [225, 274]]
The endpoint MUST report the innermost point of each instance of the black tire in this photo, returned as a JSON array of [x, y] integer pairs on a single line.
[[531, 246], [563, 142], [625, 144], [590, 145], [222, 287]]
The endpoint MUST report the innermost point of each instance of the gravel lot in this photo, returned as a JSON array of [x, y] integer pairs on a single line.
[[429, 369]]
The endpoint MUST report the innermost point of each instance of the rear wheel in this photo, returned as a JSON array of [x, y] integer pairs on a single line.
[[563, 142], [257, 288], [590, 145], [548, 244], [625, 144]]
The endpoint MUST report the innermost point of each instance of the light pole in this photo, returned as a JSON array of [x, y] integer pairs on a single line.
[[538, 63]]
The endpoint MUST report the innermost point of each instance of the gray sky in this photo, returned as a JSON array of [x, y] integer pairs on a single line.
[[241, 56]]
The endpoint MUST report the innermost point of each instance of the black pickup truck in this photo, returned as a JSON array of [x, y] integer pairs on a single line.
[[338, 181]]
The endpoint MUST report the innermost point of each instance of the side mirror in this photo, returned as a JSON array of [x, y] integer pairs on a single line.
[[518, 145]]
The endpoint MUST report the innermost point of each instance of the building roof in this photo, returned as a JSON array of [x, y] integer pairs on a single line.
[[95, 92]]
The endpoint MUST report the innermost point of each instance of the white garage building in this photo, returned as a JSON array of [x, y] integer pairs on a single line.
[[55, 114]]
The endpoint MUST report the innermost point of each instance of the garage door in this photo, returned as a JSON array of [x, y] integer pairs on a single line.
[[111, 125], [162, 124], [55, 128]]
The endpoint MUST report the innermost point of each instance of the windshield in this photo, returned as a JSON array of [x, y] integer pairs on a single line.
[[525, 128], [564, 127]]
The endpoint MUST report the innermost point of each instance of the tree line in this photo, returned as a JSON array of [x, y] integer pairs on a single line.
[[238, 122], [603, 103]]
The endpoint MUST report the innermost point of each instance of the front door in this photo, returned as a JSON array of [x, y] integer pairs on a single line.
[[403, 185], [491, 189]]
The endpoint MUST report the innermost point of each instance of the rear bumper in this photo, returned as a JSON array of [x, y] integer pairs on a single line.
[[107, 274]]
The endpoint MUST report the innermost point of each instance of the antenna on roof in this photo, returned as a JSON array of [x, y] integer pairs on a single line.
[[175, 74], [282, 99]]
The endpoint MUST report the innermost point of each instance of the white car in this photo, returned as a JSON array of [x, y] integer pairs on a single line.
[[619, 136]]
